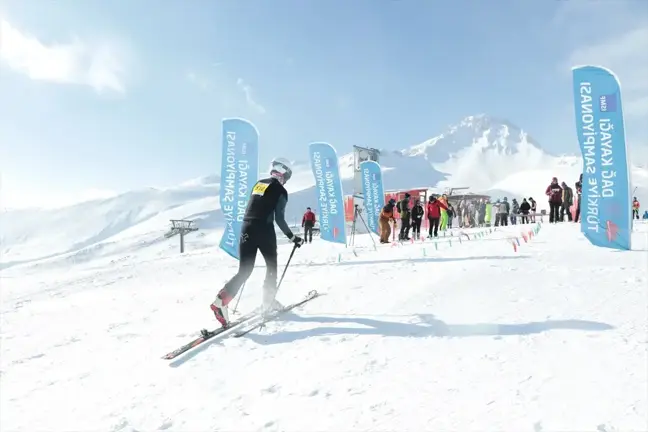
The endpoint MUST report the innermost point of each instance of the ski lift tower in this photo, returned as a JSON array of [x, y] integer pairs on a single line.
[[182, 227]]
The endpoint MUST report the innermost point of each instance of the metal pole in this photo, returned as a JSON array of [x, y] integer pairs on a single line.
[[239, 298], [369, 231], [182, 233], [353, 226]]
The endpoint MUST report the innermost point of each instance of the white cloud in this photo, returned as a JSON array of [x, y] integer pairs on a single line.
[[99, 66], [625, 54], [613, 35], [247, 90], [199, 80], [219, 79]]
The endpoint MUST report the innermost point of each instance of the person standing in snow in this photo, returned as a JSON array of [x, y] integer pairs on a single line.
[[514, 211], [417, 218], [386, 219], [451, 215], [267, 205], [471, 213], [635, 208], [579, 192], [534, 207], [481, 218], [567, 202], [554, 192], [504, 212], [433, 210], [496, 212], [444, 213], [405, 217], [488, 212], [308, 222], [459, 212], [525, 207]]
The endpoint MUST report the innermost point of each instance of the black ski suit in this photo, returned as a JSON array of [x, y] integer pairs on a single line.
[[579, 191], [525, 207], [267, 205], [417, 218], [405, 213]]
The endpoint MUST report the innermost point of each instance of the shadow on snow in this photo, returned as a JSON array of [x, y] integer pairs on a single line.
[[429, 326]]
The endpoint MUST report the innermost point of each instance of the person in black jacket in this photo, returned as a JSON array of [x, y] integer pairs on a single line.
[[267, 204], [579, 191], [554, 192], [525, 208], [405, 217], [417, 218], [451, 215], [567, 202]]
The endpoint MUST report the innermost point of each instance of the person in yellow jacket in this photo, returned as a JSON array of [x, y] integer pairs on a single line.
[[386, 218], [444, 213]]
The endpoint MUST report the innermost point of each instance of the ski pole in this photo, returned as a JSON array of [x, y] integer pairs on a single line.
[[287, 264], [239, 298], [278, 285]]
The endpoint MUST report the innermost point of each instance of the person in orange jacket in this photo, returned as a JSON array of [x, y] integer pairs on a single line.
[[386, 219], [635, 208], [308, 222]]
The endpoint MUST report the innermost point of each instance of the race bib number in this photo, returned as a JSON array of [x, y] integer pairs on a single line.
[[259, 188]]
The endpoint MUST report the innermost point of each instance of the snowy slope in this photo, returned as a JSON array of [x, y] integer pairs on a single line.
[[470, 337], [479, 151], [487, 154]]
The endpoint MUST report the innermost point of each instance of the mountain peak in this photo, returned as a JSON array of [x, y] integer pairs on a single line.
[[480, 131], [484, 122]]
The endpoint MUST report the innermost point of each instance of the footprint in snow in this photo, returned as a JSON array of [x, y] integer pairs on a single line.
[[272, 389], [166, 424]]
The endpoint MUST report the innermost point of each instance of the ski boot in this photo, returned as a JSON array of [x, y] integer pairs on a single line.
[[219, 307]]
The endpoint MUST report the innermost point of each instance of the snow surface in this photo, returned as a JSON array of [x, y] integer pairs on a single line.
[[462, 336]]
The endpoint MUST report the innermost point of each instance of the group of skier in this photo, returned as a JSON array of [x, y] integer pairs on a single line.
[[440, 214], [438, 211], [561, 200]]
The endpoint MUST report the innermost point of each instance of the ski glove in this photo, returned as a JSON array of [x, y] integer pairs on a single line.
[[297, 240]]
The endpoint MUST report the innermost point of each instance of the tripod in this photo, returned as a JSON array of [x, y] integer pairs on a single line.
[[357, 213]]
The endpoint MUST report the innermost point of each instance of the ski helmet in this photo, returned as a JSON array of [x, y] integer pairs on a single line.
[[282, 167]]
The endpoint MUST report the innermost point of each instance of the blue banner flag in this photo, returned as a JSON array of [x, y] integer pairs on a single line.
[[606, 218], [328, 184], [239, 173], [374, 194]]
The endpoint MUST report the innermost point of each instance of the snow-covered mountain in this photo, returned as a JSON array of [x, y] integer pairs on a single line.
[[481, 152]]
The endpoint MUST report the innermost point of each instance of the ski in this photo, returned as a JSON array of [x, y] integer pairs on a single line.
[[205, 335], [275, 314]]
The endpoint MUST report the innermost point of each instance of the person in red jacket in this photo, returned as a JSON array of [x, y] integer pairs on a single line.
[[433, 210], [554, 192], [308, 222]]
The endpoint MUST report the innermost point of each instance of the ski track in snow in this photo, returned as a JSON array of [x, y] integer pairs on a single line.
[[471, 337]]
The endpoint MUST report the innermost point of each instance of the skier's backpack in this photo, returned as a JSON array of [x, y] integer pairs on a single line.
[[398, 206]]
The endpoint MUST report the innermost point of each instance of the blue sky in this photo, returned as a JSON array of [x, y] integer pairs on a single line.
[[99, 96]]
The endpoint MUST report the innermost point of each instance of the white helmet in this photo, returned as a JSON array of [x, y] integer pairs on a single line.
[[281, 166]]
